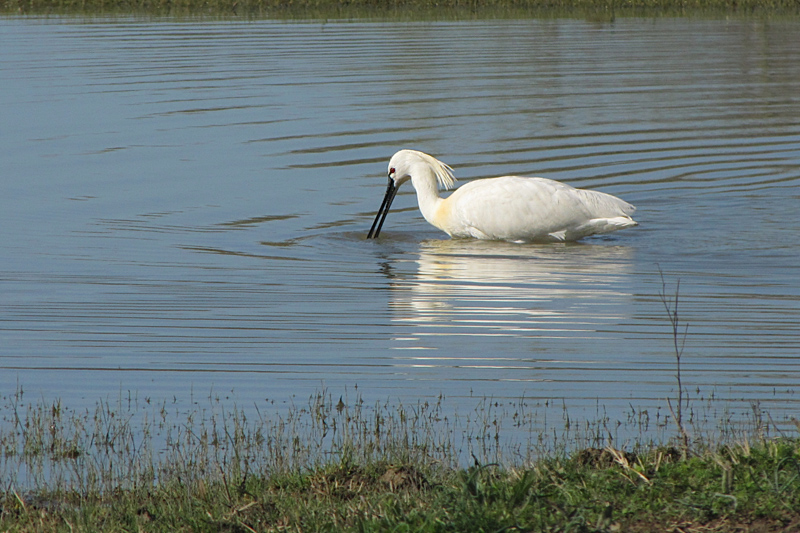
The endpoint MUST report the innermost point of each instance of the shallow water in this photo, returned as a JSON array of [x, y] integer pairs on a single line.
[[185, 204]]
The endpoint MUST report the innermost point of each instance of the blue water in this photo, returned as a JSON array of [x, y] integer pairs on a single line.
[[184, 208]]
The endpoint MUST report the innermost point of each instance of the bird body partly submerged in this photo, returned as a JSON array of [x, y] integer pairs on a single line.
[[509, 208]]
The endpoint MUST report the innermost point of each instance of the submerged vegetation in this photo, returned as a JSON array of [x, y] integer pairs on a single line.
[[394, 9], [343, 465]]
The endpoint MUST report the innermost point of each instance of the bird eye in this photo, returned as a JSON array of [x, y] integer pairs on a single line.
[[391, 171]]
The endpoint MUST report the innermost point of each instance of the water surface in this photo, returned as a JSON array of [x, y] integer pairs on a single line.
[[184, 209]]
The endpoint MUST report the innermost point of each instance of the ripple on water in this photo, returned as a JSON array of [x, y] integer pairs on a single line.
[[186, 208]]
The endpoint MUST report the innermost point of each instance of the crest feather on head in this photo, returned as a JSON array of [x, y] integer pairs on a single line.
[[444, 174]]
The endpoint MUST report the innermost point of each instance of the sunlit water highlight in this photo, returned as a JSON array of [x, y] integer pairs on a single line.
[[185, 204]]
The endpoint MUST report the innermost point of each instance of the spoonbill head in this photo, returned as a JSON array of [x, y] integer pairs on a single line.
[[508, 208]]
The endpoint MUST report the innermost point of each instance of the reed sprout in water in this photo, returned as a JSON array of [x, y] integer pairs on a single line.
[[135, 442]]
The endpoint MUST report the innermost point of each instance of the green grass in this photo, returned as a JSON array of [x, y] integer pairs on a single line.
[[649, 492], [339, 465], [400, 9]]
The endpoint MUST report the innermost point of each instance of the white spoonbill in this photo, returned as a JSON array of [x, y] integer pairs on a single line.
[[509, 208]]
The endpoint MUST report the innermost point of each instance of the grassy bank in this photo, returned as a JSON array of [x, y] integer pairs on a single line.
[[401, 9], [738, 488], [333, 464]]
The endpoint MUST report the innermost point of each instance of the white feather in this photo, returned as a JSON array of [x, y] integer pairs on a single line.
[[509, 208]]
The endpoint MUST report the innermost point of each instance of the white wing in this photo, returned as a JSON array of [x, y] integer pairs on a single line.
[[533, 209]]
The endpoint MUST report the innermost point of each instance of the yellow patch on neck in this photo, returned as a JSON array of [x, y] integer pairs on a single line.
[[443, 216]]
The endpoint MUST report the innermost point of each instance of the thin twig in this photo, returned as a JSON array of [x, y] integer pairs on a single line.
[[679, 342]]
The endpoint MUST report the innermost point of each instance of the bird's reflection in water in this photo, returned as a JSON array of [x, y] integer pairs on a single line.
[[494, 301]]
